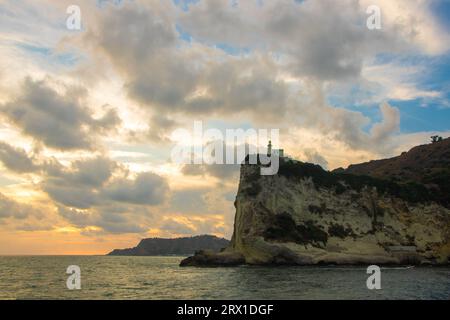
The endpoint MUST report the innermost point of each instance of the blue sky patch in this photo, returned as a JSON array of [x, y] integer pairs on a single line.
[[66, 58]]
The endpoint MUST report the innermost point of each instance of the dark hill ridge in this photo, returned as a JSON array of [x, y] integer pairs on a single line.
[[428, 165], [416, 165], [176, 246]]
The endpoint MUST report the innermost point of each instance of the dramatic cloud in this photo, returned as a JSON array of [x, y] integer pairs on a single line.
[[171, 76], [328, 42], [99, 192], [11, 208], [88, 116], [90, 182], [147, 188], [16, 159], [288, 53], [78, 186], [111, 218], [60, 121]]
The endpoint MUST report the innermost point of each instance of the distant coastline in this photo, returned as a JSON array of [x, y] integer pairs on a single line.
[[173, 247]]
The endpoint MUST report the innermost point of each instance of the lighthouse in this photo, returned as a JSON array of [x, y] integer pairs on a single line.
[[276, 152]]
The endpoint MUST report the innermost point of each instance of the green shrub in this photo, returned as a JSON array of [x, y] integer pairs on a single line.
[[336, 230], [340, 182], [284, 229], [315, 209], [253, 190]]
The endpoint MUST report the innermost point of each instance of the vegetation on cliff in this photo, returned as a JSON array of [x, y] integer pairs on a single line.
[[341, 182], [284, 229], [427, 165]]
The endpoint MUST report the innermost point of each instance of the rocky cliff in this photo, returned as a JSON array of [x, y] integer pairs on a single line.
[[177, 246], [306, 215]]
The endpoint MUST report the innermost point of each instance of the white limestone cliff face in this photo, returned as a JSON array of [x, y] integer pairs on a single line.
[[292, 220]]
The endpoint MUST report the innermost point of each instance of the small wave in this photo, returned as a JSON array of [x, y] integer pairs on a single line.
[[398, 268]]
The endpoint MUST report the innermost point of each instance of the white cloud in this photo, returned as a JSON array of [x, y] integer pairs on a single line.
[[287, 59], [396, 81], [414, 21]]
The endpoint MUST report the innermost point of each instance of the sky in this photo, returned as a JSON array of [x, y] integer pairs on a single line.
[[88, 115]]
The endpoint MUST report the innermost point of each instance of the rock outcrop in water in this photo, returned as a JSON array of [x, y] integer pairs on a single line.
[[305, 215], [177, 246]]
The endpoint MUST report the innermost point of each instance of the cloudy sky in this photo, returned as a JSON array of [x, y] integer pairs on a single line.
[[87, 116]]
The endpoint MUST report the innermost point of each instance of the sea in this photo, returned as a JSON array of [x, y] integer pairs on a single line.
[[114, 277]]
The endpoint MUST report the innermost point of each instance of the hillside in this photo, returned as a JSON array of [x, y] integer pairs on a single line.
[[428, 165], [176, 246]]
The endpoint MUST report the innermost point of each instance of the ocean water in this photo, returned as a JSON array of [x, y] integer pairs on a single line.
[[105, 277]]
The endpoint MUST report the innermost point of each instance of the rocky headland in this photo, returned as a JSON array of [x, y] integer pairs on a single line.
[[391, 211]]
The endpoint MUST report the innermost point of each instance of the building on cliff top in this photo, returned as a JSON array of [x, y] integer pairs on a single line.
[[276, 152]]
